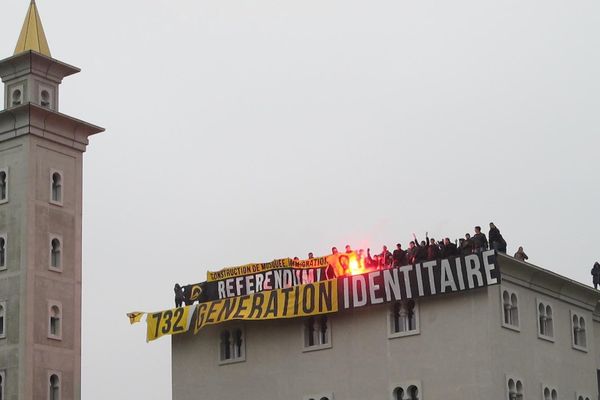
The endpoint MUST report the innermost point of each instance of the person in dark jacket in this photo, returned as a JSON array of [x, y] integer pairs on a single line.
[[399, 256], [497, 242], [385, 258], [466, 245], [410, 253], [178, 295], [449, 249], [420, 254], [433, 251], [596, 274], [480, 242]]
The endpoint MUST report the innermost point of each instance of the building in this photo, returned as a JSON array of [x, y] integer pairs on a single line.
[[41, 156], [536, 335]]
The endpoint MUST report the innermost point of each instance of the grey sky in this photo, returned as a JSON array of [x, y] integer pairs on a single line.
[[242, 131]]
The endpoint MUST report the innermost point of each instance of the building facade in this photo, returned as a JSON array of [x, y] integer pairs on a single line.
[[41, 156], [536, 335]]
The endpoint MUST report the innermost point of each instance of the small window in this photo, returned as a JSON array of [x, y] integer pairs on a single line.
[[510, 310], [55, 321], [56, 188], [317, 333], [407, 391], [2, 319], [232, 346], [3, 186], [583, 397], [545, 321], [322, 396], [2, 384], [55, 253], [514, 388], [403, 319], [45, 98], [3, 252], [578, 331], [549, 393], [17, 97], [54, 387]]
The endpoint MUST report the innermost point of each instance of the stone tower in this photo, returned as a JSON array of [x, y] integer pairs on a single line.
[[41, 156]]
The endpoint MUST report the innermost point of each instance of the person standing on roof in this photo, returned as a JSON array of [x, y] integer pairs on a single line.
[[596, 274], [496, 240], [520, 254], [480, 242]]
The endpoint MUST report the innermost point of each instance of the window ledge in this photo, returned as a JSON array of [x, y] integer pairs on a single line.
[[511, 327], [57, 338], [396, 335], [580, 348], [3, 201], [4, 268], [56, 203], [59, 270], [547, 338], [316, 347], [232, 361]]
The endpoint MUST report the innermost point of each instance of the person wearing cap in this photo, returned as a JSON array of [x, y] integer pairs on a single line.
[[497, 241]]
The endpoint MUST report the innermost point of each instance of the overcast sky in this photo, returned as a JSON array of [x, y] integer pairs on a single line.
[[242, 131]]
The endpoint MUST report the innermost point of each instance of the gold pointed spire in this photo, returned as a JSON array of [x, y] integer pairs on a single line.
[[32, 35]]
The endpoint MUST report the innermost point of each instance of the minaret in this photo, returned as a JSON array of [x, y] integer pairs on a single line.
[[41, 157]]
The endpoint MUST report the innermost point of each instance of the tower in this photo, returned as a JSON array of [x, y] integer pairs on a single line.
[[41, 156]]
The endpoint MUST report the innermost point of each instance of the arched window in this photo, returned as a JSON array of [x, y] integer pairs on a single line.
[[56, 194], [550, 393], [54, 390], [2, 319], [55, 253], [408, 391], [55, 322], [3, 185], [2, 251], [45, 98], [510, 310], [515, 389], [316, 332], [17, 97], [578, 328], [231, 345], [403, 318], [545, 322], [2, 379]]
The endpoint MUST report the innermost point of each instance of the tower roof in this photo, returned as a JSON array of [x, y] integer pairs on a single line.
[[32, 35]]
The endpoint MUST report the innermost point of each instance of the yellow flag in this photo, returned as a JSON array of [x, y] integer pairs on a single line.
[[135, 317]]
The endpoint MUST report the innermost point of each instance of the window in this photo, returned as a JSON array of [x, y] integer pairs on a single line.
[[2, 319], [56, 187], [403, 319], [54, 387], [549, 393], [55, 321], [16, 97], [578, 331], [514, 389], [510, 310], [232, 346], [322, 396], [583, 397], [3, 186], [45, 98], [407, 391], [545, 321], [2, 384], [316, 333], [3, 255], [55, 253]]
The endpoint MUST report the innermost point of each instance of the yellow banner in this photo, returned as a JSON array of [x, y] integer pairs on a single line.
[[248, 269], [169, 322], [298, 301]]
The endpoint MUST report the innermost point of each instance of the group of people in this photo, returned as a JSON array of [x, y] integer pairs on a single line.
[[431, 249]]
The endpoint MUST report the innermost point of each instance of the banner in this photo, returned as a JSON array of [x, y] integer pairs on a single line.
[[169, 322], [248, 269], [347, 292], [299, 301]]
